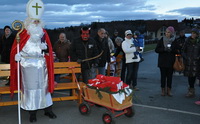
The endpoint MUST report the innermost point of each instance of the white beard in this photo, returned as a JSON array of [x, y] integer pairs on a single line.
[[35, 32]]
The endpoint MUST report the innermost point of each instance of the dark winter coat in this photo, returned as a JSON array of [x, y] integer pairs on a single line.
[[80, 50], [191, 55], [103, 46], [118, 51], [5, 48], [179, 43], [166, 58], [113, 40]]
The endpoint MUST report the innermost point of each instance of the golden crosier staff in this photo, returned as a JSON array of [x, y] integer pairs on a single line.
[[18, 26]]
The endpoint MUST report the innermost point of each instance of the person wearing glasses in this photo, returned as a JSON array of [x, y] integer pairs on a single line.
[[102, 46]]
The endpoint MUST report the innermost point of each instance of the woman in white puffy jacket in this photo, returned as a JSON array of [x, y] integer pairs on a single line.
[[132, 64]]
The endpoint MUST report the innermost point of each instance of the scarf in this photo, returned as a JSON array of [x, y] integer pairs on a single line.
[[168, 40]]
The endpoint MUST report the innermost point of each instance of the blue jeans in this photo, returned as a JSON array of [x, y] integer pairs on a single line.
[[88, 74], [57, 78]]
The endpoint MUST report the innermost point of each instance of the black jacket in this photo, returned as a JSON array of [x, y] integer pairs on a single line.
[[191, 55], [166, 58], [103, 46], [80, 50], [5, 48], [179, 43], [117, 52]]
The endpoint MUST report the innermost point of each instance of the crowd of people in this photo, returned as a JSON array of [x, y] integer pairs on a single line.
[[131, 48], [36, 57], [188, 49], [81, 49]]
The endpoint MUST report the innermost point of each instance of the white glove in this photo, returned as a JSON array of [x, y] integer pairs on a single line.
[[141, 50], [43, 46], [17, 57]]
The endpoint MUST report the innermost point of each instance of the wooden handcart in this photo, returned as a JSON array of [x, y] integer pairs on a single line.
[[114, 108]]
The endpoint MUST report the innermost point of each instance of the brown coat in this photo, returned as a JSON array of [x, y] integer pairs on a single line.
[[62, 50]]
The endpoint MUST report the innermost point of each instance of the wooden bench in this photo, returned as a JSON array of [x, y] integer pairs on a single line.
[[59, 68]]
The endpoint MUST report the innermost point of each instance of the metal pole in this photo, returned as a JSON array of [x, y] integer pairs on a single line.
[[18, 87], [19, 29]]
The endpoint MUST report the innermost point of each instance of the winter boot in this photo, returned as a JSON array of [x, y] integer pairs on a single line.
[[191, 93], [32, 116], [169, 92], [141, 59], [163, 92], [135, 56]]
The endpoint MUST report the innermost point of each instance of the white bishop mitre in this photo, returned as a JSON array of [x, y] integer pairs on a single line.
[[35, 9]]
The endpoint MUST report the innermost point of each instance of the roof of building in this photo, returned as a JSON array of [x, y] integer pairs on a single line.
[[154, 25]]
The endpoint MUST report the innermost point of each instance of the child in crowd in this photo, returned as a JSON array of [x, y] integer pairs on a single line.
[[112, 65], [56, 76], [138, 41]]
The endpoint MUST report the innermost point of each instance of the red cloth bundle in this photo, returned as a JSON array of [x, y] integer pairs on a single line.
[[125, 86], [113, 83]]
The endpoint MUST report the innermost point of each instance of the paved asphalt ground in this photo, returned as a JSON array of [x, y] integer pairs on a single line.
[[150, 107]]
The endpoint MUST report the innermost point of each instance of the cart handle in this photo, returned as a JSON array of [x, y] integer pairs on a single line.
[[73, 74]]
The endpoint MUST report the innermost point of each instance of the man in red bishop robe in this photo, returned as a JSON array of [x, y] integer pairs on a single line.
[[35, 59]]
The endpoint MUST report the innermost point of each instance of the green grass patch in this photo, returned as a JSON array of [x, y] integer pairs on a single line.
[[149, 47]]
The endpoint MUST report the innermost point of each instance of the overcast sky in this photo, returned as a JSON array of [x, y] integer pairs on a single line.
[[63, 13]]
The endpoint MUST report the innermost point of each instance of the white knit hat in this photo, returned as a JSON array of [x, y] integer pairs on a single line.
[[127, 32], [35, 9]]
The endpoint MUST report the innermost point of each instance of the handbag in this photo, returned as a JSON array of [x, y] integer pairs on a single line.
[[178, 64]]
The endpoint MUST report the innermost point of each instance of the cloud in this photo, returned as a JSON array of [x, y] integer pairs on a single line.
[[189, 11], [12, 8], [10, 13], [64, 13], [74, 2], [87, 13]]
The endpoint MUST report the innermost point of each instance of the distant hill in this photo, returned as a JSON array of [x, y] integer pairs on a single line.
[[121, 26], [141, 25]]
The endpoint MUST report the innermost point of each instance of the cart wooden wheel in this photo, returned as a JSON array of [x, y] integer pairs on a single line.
[[84, 108], [130, 112], [107, 119]]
